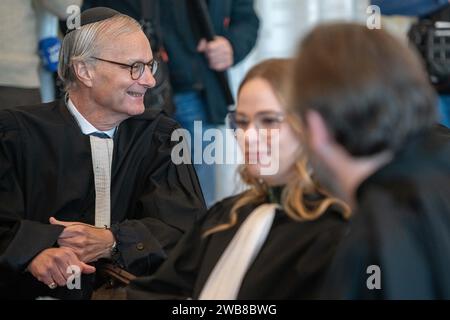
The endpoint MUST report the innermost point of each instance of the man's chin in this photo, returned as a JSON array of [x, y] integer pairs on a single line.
[[136, 110]]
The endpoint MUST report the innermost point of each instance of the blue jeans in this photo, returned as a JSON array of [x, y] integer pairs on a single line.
[[190, 107], [444, 110]]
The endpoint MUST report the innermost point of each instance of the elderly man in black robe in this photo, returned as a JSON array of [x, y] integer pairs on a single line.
[[90, 178]]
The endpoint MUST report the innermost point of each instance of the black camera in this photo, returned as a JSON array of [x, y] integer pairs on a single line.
[[431, 36]]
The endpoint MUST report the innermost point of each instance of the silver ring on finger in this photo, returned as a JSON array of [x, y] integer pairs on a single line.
[[52, 285]]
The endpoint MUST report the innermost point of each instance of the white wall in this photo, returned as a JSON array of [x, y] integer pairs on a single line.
[[285, 22]]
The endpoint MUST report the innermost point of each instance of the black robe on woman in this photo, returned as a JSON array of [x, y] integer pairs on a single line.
[[46, 170], [290, 265]]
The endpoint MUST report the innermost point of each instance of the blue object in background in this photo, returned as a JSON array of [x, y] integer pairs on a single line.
[[444, 110], [49, 53], [190, 107], [409, 7]]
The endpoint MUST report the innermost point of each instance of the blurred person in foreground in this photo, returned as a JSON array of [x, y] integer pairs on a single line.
[[369, 115]]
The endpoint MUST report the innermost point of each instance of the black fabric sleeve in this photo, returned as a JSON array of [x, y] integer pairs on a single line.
[[170, 203], [392, 234], [20, 239], [178, 276], [243, 30]]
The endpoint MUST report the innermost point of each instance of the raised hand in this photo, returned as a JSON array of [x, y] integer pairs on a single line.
[[219, 53]]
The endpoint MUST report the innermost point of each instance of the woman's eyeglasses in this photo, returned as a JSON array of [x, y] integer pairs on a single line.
[[262, 120]]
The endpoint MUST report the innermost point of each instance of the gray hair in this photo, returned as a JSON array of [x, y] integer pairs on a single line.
[[84, 43]]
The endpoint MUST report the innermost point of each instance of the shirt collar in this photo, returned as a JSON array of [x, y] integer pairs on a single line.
[[86, 127]]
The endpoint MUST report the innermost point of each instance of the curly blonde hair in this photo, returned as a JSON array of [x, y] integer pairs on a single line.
[[302, 198]]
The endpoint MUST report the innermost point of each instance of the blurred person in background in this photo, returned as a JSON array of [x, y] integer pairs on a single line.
[[19, 58]]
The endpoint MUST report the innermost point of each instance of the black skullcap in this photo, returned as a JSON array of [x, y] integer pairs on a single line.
[[95, 15]]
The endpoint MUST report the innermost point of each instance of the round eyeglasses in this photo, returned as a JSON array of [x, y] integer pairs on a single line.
[[136, 69]]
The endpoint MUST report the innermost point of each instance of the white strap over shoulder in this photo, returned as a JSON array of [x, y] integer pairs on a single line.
[[226, 278]]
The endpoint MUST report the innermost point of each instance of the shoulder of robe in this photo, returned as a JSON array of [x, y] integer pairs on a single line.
[[164, 124], [227, 203], [11, 117], [220, 212]]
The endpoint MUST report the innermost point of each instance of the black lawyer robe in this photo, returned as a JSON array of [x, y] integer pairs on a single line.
[[291, 264], [402, 226], [46, 170]]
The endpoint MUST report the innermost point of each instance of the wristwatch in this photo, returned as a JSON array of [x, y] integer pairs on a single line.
[[114, 250]]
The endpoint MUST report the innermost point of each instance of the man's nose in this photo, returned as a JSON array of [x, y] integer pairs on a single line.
[[147, 79]]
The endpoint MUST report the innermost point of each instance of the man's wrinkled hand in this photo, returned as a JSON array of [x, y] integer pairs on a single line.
[[88, 242], [51, 266]]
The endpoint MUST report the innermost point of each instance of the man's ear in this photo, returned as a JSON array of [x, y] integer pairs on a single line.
[[319, 137], [83, 72]]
